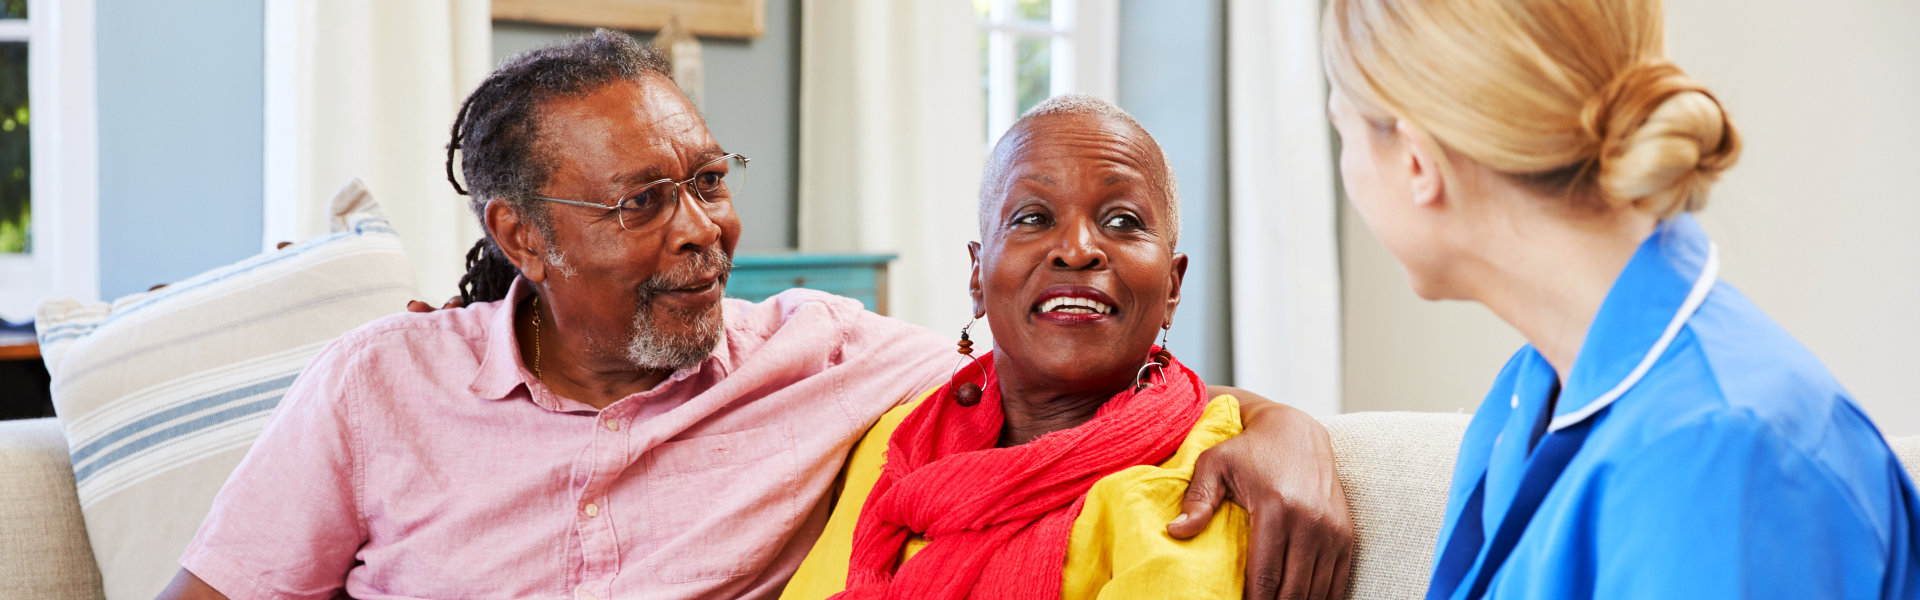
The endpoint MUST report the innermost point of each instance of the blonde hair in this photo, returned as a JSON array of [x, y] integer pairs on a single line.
[[1572, 96]]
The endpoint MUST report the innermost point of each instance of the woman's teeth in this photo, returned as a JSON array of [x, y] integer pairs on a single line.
[[1078, 306]]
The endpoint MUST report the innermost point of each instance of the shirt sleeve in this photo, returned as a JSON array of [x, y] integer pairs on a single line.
[[889, 362], [287, 524], [1727, 509], [1120, 549], [1145, 562]]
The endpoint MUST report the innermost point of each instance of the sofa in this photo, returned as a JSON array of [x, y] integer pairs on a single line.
[[1395, 467]]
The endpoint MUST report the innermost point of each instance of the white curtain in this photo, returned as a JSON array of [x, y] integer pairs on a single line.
[[368, 89], [1285, 268], [891, 144]]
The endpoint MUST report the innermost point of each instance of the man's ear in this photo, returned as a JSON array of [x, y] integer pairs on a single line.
[[1179, 275], [1424, 178], [520, 240], [973, 282]]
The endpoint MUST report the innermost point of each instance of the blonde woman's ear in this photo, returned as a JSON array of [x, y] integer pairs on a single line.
[[1425, 178]]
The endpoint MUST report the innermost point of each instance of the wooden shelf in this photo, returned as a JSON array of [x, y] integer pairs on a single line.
[[27, 351]]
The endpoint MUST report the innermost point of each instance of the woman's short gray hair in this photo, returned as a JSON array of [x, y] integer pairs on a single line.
[[993, 182]]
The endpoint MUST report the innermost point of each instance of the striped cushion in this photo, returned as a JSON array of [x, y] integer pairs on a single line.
[[161, 393]]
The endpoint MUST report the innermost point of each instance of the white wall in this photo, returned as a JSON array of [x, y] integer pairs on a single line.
[[1817, 224]]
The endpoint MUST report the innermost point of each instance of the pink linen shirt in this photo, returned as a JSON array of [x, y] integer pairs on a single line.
[[417, 457]]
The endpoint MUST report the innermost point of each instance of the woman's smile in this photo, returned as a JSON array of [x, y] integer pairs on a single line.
[[1075, 305]]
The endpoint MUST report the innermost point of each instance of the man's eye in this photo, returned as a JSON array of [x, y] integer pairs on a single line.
[[709, 181], [644, 198], [1123, 222]]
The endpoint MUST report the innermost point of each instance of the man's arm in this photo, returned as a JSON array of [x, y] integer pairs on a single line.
[[287, 524], [186, 586], [1281, 470]]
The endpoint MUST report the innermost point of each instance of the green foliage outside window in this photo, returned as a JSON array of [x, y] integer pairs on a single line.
[[16, 206]]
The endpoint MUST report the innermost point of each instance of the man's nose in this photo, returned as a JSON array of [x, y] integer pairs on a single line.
[[691, 229]]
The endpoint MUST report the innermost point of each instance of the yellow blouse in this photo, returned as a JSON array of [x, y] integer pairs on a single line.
[[1119, 547]]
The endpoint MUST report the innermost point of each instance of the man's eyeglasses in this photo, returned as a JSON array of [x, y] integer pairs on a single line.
[[718, 180]]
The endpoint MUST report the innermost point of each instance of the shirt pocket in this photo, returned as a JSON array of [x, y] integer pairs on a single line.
[[722, 505]]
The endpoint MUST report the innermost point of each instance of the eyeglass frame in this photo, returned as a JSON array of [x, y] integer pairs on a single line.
[[678, 186]]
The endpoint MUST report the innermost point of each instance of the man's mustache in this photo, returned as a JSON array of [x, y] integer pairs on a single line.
[[695, 270]]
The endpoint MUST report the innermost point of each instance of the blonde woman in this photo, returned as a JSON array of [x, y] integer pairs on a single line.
[[1659, 436]]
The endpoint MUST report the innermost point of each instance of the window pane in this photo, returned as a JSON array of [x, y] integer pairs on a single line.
[[1034, 10], [983, 9], [16, 212], [1033, 58], [13, 9]]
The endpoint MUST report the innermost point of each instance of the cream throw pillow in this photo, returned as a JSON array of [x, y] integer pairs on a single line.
[[161, 393]]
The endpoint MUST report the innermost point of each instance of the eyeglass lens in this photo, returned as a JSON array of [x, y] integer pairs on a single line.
[[716, 182]]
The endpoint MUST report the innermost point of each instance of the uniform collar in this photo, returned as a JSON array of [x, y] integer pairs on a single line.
[[1661, 287], [502, 371]]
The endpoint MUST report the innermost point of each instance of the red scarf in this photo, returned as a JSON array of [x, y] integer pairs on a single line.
[[997, 519]]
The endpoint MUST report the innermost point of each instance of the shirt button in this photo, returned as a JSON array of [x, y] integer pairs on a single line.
[[613, 425], [593, 510]]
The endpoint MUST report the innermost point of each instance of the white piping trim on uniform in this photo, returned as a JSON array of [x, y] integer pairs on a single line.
[[1708, 275]]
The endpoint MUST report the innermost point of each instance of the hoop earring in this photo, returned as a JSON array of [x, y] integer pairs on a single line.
[[1158, 362], [966, 394]]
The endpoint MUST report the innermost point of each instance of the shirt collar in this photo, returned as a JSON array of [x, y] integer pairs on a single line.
[[1661, 287], [502, 371]]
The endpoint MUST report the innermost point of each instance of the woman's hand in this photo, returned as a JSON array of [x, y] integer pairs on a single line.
[[1281, 470]]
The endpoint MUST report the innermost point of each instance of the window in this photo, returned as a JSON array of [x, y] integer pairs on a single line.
[[16, 148], [1034, 49], [48, 241]]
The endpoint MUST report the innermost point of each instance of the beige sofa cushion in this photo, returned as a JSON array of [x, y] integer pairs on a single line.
[[1395, 467], [43, 543], [162, 393]]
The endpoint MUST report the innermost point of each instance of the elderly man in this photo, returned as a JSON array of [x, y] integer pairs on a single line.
[[610, 427]]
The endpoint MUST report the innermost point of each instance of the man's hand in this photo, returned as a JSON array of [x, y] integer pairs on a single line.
[[422, 307], [1281, 470]]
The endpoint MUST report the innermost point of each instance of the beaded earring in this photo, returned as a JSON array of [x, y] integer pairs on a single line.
[[965, 394]]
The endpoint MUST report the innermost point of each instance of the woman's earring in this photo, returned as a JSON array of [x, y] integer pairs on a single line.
[[1159, 361], [965, 394]]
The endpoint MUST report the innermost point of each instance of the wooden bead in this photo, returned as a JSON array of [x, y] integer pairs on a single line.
[[966, 343], [968, 394]]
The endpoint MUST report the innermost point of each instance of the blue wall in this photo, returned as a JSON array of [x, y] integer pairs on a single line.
[[1172, 78], [181, 87]]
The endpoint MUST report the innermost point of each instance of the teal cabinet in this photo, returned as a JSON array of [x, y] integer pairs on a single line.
[[862, 277]]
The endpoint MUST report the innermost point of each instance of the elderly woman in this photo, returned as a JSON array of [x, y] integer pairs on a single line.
[[1048, 467]]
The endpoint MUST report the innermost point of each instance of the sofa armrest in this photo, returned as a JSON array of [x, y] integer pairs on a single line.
[[43, 542], [1396, 468]]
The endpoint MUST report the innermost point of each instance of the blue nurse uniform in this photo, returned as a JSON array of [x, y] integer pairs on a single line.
[[1696, 451]]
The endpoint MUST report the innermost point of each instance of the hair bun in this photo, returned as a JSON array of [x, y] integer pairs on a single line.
[[1661, 139]]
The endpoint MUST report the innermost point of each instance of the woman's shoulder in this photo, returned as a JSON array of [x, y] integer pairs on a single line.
[[1160, 487], [1123, 527]]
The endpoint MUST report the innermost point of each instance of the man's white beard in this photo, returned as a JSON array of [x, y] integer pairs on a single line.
[[650, 348]]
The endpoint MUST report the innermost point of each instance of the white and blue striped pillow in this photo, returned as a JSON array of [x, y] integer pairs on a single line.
[[162, 393]]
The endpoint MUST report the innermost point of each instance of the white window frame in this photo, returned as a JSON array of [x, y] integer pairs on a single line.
[[1085, 54], [60, 87]]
